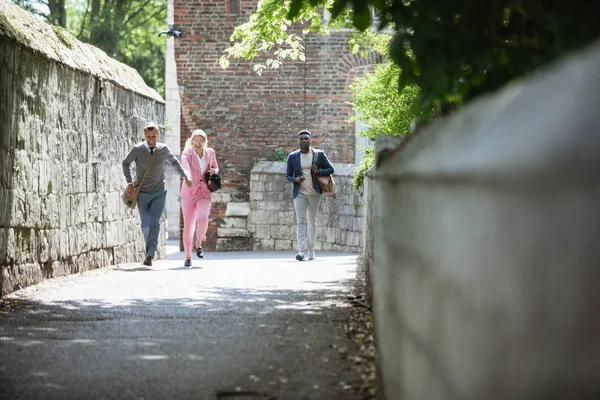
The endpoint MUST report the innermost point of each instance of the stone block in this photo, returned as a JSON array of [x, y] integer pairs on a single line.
[[221, 196], [44, 246], [3, 248], [230, 232], [326, 246], [256, 186], [280, 232], [237, 210], [235, 222], [64, 210], [263, 232], [234, 244], [5, 204], [287, 217], [256, 196], [264, 245], [283, 244], [263, 217]]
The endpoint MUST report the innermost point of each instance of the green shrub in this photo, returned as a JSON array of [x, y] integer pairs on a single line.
[[278, 154], [363, 167]]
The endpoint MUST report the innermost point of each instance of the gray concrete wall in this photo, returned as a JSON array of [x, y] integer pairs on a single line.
[[68, 116], [272, 220], [486, 262]]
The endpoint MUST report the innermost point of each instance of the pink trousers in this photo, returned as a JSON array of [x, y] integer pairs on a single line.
[[195, 211]]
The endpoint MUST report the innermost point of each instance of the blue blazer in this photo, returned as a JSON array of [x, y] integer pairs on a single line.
[[294, 169]]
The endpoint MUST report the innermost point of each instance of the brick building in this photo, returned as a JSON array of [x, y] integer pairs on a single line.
[[247, 116]]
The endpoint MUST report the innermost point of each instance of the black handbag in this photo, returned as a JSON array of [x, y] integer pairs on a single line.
[[213, 182]]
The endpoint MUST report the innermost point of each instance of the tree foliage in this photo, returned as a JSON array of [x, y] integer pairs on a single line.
[[270, 30], [382, 108], [452, 50], [378, 103], [361, 169], [125, 29]]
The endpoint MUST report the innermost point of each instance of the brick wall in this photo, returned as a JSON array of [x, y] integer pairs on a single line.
[[247, 116]]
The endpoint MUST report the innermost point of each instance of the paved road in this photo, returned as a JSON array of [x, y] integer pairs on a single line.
[[243, 325]]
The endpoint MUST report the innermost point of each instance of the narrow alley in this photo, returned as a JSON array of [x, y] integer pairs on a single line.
[[237, 325]]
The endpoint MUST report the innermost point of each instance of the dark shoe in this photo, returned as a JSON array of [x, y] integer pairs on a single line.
[[148, 261], [188, 263], [200, 252], [300, 256]]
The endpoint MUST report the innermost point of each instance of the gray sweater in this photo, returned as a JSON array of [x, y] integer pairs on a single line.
[[155, 180]]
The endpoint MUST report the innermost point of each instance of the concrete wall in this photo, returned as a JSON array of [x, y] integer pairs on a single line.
[[68, 116], [272, 219], [486, 262], [368, 232]]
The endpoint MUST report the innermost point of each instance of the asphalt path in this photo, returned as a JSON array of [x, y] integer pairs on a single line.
[[236, 325]]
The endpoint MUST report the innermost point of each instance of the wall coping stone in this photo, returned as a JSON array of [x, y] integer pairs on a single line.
[[59, 45], [279, 167]]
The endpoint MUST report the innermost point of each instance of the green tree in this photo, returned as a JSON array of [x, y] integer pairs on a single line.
[[378, 103], [452, 50], [385, 111], [126, 30]]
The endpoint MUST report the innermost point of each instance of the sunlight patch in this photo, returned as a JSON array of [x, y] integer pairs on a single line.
[[152, 357]]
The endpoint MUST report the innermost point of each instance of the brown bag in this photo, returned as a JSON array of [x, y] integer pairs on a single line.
[[131, 201], [325, 182]]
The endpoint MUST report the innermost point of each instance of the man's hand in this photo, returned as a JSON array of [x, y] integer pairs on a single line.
[[299, 179], [188, 182], [315, 170], [129, 189]]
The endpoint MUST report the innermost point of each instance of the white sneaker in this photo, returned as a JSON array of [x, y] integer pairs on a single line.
[[311, 255], [300, 256]]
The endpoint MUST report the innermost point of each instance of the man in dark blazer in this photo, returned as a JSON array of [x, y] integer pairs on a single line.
[[303, 166]]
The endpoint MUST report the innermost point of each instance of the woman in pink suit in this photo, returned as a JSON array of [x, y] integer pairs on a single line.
[[196, 200]]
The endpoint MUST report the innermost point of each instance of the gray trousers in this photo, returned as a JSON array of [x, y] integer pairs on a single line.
[[307, 207]]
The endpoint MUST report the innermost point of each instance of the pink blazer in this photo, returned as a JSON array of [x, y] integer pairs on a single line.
[[190, 165]]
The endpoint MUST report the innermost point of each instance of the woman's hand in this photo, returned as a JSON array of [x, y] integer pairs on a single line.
[[188, 182], [212, 171]]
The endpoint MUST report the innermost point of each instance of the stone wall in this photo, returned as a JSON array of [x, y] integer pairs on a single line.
[[272, 220], [68, 116], [485, 273]]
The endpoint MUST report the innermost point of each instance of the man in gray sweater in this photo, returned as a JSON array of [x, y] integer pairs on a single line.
[[152, 195]]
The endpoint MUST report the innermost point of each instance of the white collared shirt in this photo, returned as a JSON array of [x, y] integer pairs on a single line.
[[201, 162]]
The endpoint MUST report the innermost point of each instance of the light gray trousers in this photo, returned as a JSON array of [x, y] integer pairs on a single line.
[[307, 207]]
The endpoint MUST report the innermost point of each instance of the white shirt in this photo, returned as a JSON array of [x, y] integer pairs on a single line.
[[201, 162], [306, 160]]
